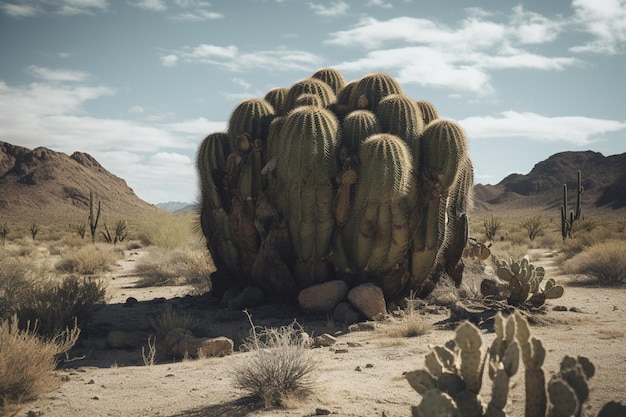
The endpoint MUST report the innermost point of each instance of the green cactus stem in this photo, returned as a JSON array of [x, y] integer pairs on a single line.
[[533, 355], [306, 166], [309, 86], [371, 89], [401, 116], [376, 235], [358, 126], [252, 116], [429, 112], [332, 77], [276, 97]]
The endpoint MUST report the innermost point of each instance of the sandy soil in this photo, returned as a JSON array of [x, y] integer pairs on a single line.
[[361, 375]]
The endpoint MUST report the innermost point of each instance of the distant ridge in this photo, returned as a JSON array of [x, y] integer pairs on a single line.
[[604, 182], [176, 207], [43, 185]]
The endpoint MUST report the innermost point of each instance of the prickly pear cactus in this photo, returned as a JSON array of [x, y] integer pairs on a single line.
[[524, 280], [450, 385], [327, 179]]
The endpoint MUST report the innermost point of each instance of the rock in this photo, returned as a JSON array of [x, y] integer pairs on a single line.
[[130, 301], [559, 308], [324, 340], [362, 327], [321, 412], [217, 346], [249, 297], [181, 342], [120, 339], [345, 313], [369, 300], [324, 297], [229, 294]]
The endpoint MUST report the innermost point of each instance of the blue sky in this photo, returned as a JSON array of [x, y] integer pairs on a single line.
[[139, 83]]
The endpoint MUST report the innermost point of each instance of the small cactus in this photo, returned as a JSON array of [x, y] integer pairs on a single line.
[[450, 384]]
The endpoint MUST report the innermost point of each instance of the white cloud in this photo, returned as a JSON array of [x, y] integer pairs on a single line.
[[231, 58], [532, 28], [379, 3], [63, 75], [155, 158], [20, 10], [170, 60], [30, 8], [459, 57], [575, 130], [334, 10], [197, 16], [605, 20], [153, 5]]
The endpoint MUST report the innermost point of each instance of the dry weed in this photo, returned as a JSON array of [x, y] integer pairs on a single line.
[[27, 362], [282, 366], [406, 323], [175, 267], [90, 259], [603, 262]]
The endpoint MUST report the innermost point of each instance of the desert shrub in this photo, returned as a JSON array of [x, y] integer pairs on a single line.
[[27, 360], [17, 278], [406, 322], [604, 262], [170, 319], [492, 225], [56, 305], [506, 248], [175, 267], [533, 225], [282, 366], [167, 230], [88, 260]]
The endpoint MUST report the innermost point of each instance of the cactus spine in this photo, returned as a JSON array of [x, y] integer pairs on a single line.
[[358, 126], [400, 116], [332, 77], [429, 112], [371, 89], [309, 86]]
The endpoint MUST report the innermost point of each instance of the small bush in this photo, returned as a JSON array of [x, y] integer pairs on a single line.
[[604, 262], [17, 278], [167, 230], [56, 305], [88, 260], [27, 361], [282, 365], [175, 267], [407, 322]]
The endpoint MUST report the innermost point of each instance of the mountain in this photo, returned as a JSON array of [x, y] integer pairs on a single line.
[[603, 180], [176, 207], [43, 185]]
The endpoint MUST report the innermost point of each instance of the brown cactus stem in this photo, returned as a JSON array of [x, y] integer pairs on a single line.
[[345, 180], [579, 191]]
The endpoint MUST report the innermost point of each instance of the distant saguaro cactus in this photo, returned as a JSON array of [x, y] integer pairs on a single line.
[[328, 180]]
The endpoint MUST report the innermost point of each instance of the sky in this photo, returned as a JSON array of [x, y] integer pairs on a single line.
[[139, 83]]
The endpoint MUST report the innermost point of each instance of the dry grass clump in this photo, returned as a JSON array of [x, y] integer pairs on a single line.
[[90, 259], [17, 278], [603, 262], [175, 267], [407, 322], [27, 361], [167, 230], [170, 319], [282, 367]]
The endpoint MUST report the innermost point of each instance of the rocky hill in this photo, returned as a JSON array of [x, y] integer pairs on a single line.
[[603, 177], [43, 185]]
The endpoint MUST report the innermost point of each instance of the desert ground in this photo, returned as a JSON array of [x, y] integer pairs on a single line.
[[360, 375]]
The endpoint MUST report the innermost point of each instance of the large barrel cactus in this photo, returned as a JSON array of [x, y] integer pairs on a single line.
[[327, 180]]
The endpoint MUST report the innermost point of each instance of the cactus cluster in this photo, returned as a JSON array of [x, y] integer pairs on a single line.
[[451, 383], [332, 180], [523, 282]]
